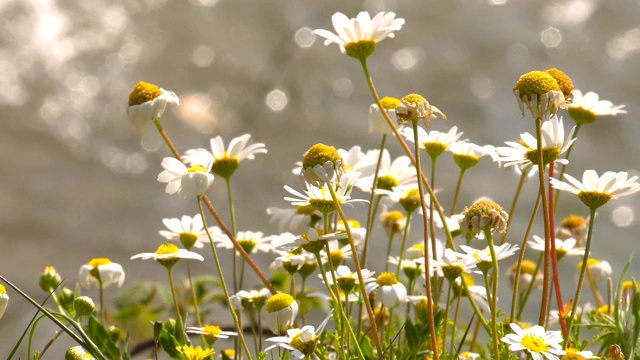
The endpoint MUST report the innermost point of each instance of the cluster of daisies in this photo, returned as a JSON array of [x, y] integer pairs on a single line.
[[317, 242]]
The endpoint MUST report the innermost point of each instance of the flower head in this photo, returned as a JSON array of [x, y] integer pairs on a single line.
[[483, 257], [189, 230], [322, 164], [49, 279], [452, 264], [168, 255], [586, 108], [484, 215], [414, 107], [575, 354], [388, 288], [596, 191], [564, 83], [320, 197], [358, 37], [251, 242], [393, 222], [573, 226], [224, 161], [434, 142], [391, 174], [282, 310], [77, 353], [563, 247], [147, 102], [535, 341], [195, 353], [525, 153], [301, 342], [312, 241], [529, 272], [598, 269], [466, 155], [249, 300], [186, 182], [211, 333], [101, 270], [296, 219], [346, 279], [540, 92]]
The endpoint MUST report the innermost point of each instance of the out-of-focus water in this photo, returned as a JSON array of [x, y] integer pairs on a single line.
[[78, 183]]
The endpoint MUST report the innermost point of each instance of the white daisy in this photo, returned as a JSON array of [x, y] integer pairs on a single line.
[[356, 160], [251, 242], [320, 197], [435, 142], [362, 30], [483, 257], [598, 269], [400, 172], [211, 333], [346, 279], [377, 122], [586, 108], [252, 299], [525, 153], [186, 182], [451, 265], [411, 268], [282, 310], [415, 107], [596, 191], [295, 219], [291, 262], [189, 230], [101, 270], [563, 247], [147, 102], [573, 353], [529, 272], [388, 289], [535, 341], [224, 161], [467, 154], [168, 255], [301, 342], [540, 92], [312, 241], [337, 254]]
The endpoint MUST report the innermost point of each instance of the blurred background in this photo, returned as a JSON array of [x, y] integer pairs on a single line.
[[79, 183]]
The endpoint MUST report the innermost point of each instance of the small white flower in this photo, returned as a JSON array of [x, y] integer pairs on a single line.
[[435, 142], [598, 270], [312, 241], [466, 355], [282, 310], [536, 342], [223, 161], [251, 242], [596, 191], [465, 153], [452, 264], [524, 154], [400, 172], [186, 182], [347, 279], [321, 196], [295, 219], [563, 247], [389, 290], [584, 354], [168, 252], [503, 251], [586, 108], [147, 102], [301, 342], [360, 29], [188, 230], [377, 122], [356, 160], [211, 333], [289, 261], [252, 299], [109, 273]]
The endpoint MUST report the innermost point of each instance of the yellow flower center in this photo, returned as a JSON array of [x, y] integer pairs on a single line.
[[319, 154], [231, 353], [536, 83], [307, 348], [564, 82], [49, 270], [572, 354], [387, 182], [197, 353], [166, 249], [527, 267], [534, 344], [590, 263], [212, 330], [387, 279], [279, 302], [353, 224], [483, 207], [143, 92], [3, 290], [414, 99], [573, 222], [389, 103], [196, 169], [94, 263]]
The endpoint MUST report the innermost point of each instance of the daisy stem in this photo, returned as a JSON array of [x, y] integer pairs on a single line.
[[175, 304], [101, 289], [475, 307], [516, 279], [455, 196], [547, 230], [525, 298], [564, 166], [405, 235], [594, 289], [583, 271], [356, 261], [427, 266], [494, 298], [436, 281], [373, 206], [232, 213], [218, 219], [303, 296], [455, 322], [446, 316], [554, 254], [512, 210], [222, 281], [195, 302]]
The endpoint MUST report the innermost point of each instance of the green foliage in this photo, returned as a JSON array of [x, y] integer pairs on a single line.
[[102, 338]]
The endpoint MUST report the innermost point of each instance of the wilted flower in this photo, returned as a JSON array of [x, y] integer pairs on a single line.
[[483, 215], [414, 107], [147, 102]]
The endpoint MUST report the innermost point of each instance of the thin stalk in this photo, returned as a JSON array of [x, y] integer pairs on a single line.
[[234, 229], [195, 302], [525, 240], [405, 235], [222, 281], [455, 322], [356, 261], [446, 316], [525, 298], [303, 296], [373, 206], [455, 196], [175, 303], [512, 210], [102, 311], [436, 281], [547, 229], [554, 255], [494, 298], [583, 271], [594, 289]]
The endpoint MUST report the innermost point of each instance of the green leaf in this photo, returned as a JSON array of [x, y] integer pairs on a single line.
[[125, 349], [169, 344], [367, 349], [100, 336], [413, 339]]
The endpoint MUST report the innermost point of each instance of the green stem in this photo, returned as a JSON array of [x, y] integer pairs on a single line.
[[102, 311], [446, 315], [494, 297], [234, 229], [373, 206], [222, 281], [512, 210], [194, 296], [457, 193], [583, 271], [554, 255], [175, 303], [525, 298], [405, 235]]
